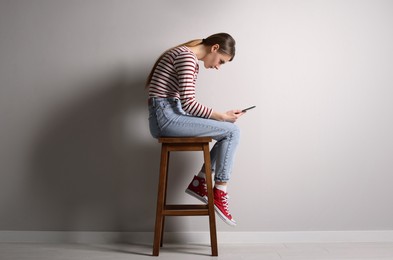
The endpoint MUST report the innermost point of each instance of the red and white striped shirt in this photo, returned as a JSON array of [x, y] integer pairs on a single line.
[[175, 76]]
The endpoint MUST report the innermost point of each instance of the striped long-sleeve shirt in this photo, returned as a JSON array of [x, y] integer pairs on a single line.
[[175, 76]]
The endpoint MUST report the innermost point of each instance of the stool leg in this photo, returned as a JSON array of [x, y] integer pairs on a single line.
[[160, 200], [210, 196], [165, 192], [162, 232]]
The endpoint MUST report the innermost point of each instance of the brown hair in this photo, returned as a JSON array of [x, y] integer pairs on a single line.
[[224, 40]]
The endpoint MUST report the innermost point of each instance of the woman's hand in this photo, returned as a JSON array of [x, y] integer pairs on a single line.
[[229, 116], [233, 115]]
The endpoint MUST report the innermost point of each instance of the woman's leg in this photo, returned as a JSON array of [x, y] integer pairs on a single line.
[[226, 134]]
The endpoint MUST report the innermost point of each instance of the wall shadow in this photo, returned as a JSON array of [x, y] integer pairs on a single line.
[[94, 162], [95, 165]]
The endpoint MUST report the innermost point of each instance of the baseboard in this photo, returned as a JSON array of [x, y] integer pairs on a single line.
[[196, 237]]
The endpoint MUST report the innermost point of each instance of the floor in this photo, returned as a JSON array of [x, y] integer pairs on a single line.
[[313, 251]]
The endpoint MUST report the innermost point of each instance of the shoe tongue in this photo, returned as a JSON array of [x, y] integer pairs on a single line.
[[223, 193]]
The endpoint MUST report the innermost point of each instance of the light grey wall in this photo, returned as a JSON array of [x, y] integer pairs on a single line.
[[316, 153]]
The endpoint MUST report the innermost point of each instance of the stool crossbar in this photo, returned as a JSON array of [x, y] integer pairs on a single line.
[[172, 144]]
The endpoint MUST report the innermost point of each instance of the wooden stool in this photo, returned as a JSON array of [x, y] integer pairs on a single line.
[[170, 144]]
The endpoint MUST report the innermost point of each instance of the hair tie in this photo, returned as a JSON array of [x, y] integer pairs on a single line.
[[203, 40]]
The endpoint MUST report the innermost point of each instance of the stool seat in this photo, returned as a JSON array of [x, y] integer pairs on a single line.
[[186, 140], [170, 144]]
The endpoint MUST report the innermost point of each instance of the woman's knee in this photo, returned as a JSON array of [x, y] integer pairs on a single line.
[[234, 132]]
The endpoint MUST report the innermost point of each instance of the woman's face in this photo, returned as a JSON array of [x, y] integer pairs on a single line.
[[214, 59]]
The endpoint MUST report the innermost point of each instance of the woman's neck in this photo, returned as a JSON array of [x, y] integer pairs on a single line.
[[200, 51]]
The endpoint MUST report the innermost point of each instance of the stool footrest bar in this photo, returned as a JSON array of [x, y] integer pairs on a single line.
[[185, 206], [186, 212]]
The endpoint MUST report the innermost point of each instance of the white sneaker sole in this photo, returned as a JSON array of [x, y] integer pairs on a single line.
[[195, 195], [232, 222]]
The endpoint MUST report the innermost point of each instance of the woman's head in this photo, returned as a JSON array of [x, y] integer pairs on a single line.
[[220, 48], [225, 42]]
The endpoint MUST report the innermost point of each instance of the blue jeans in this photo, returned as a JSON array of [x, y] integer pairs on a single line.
[[167, 118]]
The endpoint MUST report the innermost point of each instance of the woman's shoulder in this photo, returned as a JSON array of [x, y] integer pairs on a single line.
[[183, 51], [182, 48]]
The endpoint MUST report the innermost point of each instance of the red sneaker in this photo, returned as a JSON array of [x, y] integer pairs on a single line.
[[198, 189], [221, 206]]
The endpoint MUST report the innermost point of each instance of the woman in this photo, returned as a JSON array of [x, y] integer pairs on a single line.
[[174, 110]]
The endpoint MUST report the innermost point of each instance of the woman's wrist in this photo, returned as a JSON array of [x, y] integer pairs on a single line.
[[217, 116]]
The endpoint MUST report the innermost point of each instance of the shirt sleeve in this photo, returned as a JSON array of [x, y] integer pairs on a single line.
[[186, 66]]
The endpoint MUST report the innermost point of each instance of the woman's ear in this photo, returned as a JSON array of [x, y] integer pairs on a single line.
[[215, 48]]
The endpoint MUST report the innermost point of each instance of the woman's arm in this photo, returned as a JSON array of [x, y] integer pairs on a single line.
[[229, 116]]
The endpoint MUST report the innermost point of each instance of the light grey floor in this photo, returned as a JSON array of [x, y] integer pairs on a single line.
[[315, 251]]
